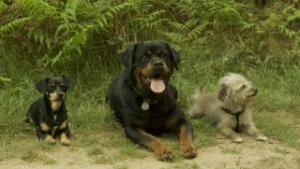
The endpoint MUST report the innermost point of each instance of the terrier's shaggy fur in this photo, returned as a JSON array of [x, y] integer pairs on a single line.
[[228, 109]]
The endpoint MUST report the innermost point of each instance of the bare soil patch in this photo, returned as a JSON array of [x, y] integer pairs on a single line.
[[250, 154]]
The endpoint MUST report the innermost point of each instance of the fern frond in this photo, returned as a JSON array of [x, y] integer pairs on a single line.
[[74, 43], [36, 7], [227, 16], [175, 37], [296, 15], [151, 20], [69, 26], [12, 25], [286, 31], [197, 31], [2, 5], [178, 26]]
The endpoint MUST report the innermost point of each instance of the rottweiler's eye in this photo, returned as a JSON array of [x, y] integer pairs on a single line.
[[145, 57], [163, 56]]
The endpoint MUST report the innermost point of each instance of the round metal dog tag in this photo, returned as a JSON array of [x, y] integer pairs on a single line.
[[145, 106]]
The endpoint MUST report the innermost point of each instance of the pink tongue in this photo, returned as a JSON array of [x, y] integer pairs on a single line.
[[157, 85]]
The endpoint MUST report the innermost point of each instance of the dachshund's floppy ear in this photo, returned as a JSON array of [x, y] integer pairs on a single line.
[[68, 81], [175, 56], [126, 57], [223, 92], [41, 85]]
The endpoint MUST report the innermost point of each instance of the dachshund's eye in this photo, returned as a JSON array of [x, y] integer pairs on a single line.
[[145, 57], [53, 85], [63, 86]]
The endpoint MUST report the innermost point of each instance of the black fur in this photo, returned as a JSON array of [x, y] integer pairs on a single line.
[[127, 93]]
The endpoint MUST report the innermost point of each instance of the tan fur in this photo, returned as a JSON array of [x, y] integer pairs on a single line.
[[45, 127], [64, 140], [64, 125], [235, 93], [49, 139], [55, 105]]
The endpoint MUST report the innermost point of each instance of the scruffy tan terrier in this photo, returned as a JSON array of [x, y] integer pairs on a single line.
[[228, 109]]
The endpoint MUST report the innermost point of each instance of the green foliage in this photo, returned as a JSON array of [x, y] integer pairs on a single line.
[[67, 32], [58, 30]]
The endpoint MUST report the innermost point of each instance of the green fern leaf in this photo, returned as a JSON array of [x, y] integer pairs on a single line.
[[12, 25]]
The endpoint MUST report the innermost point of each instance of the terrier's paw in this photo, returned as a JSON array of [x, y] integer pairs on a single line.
[[238, 140], [262, 138]]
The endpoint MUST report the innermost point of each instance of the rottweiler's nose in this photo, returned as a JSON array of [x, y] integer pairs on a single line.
[[158, 64]]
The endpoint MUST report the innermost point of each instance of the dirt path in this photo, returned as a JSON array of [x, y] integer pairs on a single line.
[[226, 155]]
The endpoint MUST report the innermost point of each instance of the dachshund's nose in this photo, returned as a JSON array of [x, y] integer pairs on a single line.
[[60, 95]]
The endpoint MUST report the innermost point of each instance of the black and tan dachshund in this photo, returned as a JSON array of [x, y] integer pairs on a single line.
[[48, 113], [146, 103]]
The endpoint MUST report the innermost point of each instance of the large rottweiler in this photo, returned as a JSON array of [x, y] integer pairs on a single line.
[[146, 103], [48, 113]]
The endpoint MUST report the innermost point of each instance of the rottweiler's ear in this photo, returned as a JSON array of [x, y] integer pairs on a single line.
[[41, 85], [175, 56], [68, 81], [223, 92], [126, 57]]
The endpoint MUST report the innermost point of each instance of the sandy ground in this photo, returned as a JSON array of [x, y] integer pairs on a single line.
[[250, 154]]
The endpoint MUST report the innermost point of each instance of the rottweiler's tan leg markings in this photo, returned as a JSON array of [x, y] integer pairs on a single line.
[[64, 140], [171, 122], [64, 125], [161, 151], [187, 146]]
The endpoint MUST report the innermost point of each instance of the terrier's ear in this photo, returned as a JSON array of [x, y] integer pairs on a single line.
[[41, 85], [223, 92]]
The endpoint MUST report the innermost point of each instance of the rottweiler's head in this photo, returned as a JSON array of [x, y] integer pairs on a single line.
[[55, 88], [151, 63]]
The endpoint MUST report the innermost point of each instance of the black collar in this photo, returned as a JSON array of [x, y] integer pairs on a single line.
[[237, 117], [145, 100]]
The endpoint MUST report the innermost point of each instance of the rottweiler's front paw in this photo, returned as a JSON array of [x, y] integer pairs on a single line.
[[188, 151], [164, 154]]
